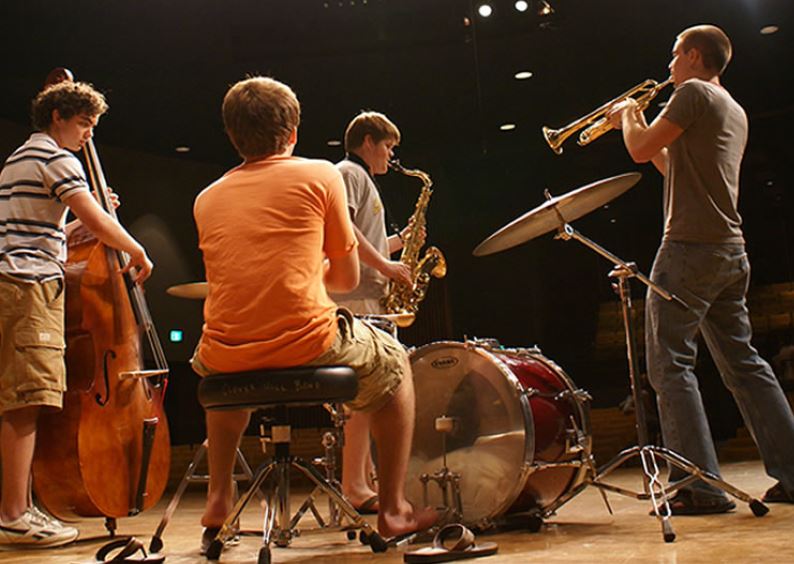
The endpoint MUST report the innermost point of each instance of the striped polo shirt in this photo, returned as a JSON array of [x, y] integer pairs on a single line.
[[35, 183]]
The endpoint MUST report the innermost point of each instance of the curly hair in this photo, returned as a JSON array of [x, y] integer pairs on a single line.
[[70, 99], [259, 115]]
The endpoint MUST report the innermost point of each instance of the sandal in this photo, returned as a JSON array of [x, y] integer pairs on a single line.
[[686, 502], [369, 507], [129, 547], [463, 547]]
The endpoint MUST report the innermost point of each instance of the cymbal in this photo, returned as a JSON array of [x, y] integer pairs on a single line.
[[555, 212], [191, 290], [402, 319]]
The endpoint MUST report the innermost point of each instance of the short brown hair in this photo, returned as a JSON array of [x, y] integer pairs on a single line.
[[374, 124], [712, 43], [259, 114], [70, 99]]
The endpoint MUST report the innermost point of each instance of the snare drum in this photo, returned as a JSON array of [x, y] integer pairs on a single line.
[[521, 435]]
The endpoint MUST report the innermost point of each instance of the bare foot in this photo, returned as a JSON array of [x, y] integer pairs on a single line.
[[406, 520]]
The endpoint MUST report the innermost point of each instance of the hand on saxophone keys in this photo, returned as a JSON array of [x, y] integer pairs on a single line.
[[397, 271]]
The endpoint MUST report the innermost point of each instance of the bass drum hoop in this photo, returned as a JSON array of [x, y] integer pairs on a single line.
[[516, 392]]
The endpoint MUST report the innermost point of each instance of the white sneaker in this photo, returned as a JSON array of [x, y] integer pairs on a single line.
[[34, 529]]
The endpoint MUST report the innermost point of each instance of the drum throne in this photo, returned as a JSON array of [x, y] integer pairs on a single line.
[[277, 391]]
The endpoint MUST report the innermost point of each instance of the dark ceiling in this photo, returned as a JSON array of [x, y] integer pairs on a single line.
[[445, 75], [442, 72]]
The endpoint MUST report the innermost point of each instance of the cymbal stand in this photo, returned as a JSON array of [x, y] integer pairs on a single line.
[[653, 488]]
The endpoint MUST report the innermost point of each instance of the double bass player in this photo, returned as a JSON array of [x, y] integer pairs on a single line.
[[39, 183]]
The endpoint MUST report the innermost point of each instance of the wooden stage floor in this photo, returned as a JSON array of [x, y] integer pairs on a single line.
[[582, 531]]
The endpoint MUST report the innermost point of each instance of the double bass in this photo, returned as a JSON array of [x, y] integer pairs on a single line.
[[107, 453]]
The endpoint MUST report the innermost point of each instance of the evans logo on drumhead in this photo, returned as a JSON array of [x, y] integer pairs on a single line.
[[444, 362]]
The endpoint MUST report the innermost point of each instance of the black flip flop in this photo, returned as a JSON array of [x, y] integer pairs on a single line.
[[128, 549], [463, 547], [368, 507]]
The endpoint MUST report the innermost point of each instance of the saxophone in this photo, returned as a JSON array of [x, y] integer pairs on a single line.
[[404, 299]]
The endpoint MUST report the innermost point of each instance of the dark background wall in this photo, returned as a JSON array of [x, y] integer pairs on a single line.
[[445, 75]]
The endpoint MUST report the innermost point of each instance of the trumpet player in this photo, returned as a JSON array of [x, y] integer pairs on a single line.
[[697, 143]]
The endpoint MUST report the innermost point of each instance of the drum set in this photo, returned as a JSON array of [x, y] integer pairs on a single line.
[[504, 433]]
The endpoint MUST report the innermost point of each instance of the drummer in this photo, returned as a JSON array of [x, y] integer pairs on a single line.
[[290, 320]]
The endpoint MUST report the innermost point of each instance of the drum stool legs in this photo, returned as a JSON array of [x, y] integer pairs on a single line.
[[281, 389], [191, 476]]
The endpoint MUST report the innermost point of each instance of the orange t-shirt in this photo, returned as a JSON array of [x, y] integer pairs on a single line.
[[264, 228]]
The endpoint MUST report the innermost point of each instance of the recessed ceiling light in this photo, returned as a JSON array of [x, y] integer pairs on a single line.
[[523, 75], [485, 10], [333, 143], [507, 126], [182, 149], [769, 29], [522, 5]]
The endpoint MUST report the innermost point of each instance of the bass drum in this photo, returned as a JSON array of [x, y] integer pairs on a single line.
[[520, 437]]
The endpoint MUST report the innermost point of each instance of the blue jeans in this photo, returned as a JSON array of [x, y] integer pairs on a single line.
[[713, 281]]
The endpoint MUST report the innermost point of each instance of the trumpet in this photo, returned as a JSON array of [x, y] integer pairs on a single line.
[[595, 124]]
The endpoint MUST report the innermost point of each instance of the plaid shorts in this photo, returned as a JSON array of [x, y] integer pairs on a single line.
[[32, 367]]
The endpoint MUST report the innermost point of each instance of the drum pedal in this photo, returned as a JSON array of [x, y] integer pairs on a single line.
[[447, 481]]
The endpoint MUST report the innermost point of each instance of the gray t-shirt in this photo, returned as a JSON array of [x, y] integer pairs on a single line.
[[701, 189], [367, 213]]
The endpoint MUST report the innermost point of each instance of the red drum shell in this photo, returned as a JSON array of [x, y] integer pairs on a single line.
[[521, 434]]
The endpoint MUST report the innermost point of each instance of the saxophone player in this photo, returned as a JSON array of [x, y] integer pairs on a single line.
[[370, 139]]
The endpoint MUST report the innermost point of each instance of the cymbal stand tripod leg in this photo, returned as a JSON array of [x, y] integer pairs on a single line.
[[653, 488]]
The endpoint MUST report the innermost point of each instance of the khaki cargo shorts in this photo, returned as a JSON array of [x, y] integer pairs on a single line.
[[379, 360], [32, 367]]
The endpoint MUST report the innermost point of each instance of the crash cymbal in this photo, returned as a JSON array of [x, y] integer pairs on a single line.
[[191, 290], [557, 211]]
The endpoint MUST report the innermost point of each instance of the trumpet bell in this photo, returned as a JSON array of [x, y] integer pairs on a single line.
[[552, 137]]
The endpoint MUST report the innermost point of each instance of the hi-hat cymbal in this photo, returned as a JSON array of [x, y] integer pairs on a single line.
[[557, 211], [192, 290]]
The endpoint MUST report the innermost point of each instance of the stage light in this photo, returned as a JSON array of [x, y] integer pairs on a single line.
[[507, 126], [523, 75], [485, 10], [522, 5], [769, 29], [182, 149], [544, 8]]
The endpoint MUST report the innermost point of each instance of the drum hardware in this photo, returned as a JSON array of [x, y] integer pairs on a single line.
[[556, 213], [511, 449], [190, 291], [447, 481]]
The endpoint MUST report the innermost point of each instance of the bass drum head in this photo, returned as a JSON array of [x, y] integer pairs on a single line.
[[491, 442]]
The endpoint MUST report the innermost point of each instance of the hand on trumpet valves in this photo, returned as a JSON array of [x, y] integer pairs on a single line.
[[615, 113]]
